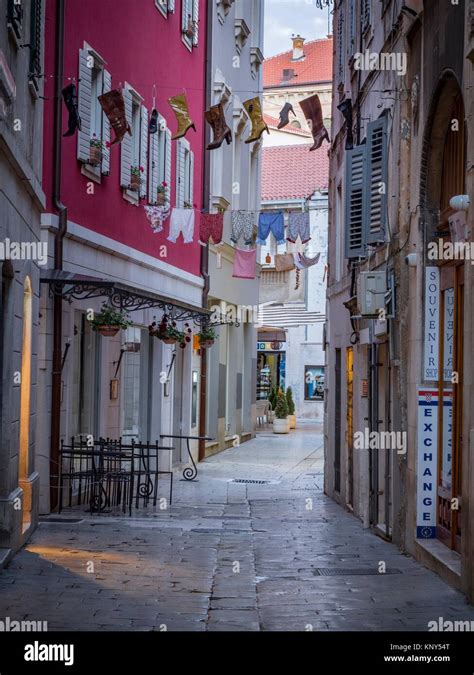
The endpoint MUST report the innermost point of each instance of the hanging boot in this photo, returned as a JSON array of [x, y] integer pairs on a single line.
[[153, 123], [216, 118], [313, 112], [70, 99], [346, 109], [113, 106], [285, 115], [180, 108], [254, 110]]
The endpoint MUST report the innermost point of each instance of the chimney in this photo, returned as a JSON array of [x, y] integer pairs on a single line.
[[298, 43]]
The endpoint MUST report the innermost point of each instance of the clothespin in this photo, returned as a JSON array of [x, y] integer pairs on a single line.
[[154, 95]]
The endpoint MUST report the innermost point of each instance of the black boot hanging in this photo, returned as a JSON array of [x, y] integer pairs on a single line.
[[70, 99], [346, 109], [153, 124], [285, 115]]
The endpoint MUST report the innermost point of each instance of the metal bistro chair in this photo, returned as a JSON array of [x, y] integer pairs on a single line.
[[111, 473], [189, 473]]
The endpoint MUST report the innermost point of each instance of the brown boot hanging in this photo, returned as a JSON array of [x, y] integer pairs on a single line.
[[254, 111], [313, 112], [216, 118], [113, 106]]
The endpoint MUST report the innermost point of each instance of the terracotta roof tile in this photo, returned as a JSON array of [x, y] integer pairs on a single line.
[[293, 172], [315, 67]]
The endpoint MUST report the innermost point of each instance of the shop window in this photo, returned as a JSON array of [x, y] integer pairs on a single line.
[[313, 383]]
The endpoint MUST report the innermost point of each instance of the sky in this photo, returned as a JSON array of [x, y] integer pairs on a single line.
[[284, 17]]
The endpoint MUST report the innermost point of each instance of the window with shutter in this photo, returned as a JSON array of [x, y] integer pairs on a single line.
[[377, 176], [35, 45], [134, 148], [184, 174], [190, 22], [158, 172], [165, 6], [366, 14], [106, 86], [95, 129], [126, 144], [143, 163], [340, 44], [15, 20], [351, 42], [356, 203]]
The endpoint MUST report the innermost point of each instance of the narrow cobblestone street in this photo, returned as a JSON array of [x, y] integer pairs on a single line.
[[228, 556]]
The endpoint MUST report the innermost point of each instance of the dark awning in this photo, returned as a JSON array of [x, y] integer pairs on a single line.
[[122, 296]]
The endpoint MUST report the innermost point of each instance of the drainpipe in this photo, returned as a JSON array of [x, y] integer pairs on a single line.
[[58, 259], [205, 249]]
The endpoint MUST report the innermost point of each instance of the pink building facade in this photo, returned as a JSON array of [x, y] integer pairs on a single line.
[[131, 385]]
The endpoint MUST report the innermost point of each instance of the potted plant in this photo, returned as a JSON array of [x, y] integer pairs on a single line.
[[280, 423], [207, 336], [161, 194], [109, 321], [135, 178], [168, 332], [190, 29], [291, 408], [95, 151]]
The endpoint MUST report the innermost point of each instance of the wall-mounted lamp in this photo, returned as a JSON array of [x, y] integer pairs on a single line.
[[460, 202]]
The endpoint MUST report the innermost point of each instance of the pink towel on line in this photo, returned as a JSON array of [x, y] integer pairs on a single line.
[[245, 263]]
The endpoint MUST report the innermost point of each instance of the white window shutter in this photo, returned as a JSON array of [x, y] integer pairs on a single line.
[[84, 106], [196, 22], [191, 177], [126, 144], [107, 86], [144, 150], [153, 168], [186, 11], [170, 6], [168, 163], [180, 174]]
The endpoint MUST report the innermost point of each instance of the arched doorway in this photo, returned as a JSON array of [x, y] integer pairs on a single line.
[[25, 395], [444, 178]]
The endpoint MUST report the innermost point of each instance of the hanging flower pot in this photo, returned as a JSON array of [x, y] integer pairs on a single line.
[[169, 340], [167, 332], [161, 194], [207, 336], [206, 344], [135, 178], [95, 151], [109, 321], [109, 331]]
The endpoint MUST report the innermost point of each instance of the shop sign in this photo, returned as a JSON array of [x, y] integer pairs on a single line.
[[427, 465], [431, 334], [269, 346]]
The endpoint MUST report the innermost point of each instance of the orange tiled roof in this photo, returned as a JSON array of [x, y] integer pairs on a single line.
[[293, 172], [315, 67]]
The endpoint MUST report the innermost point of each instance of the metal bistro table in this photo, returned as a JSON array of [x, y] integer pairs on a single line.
[[189, 473]]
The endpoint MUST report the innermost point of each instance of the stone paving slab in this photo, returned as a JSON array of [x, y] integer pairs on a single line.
[[227, 556]]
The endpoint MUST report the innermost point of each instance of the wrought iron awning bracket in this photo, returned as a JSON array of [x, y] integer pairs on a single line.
[[128, 301]]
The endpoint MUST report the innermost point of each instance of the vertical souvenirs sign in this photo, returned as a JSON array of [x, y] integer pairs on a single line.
[[427, 467], [431, 335]]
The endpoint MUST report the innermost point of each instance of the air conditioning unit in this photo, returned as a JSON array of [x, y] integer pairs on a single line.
[[371, 292]]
